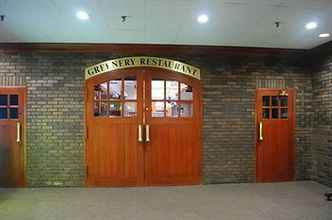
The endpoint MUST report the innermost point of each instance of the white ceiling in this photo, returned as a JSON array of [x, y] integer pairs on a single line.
[[231, 22]]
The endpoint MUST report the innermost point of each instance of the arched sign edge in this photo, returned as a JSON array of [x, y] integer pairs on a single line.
[[142, 61]]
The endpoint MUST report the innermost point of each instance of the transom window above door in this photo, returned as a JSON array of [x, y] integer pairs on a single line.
[[116, 98], [171, 99]]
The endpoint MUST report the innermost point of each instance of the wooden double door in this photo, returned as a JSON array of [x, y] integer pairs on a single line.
[[143, 128], [275, 135], [12, 111]]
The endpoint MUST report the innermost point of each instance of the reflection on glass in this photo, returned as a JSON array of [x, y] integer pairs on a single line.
[[158, 109], [115, 89], [100, 108], [130, 89], [275, 113], [157, 89], [13, 113], [129, 109], [185, 110], [283, 101], [266, 113], [186, 92], [266, 100], [275, 100], [101, 91], [3, 100], [284, 113], [13, 99], [172, 90], [172, 109], [115, 109], [3, 113]]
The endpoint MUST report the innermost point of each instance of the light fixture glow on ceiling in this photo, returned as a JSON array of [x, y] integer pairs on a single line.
[[324, 35], [82, 15], [203, 18], [311, 25]]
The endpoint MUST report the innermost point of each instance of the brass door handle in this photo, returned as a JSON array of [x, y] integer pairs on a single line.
[[147, 133], [140, 137], [261, 131], [18, 132]]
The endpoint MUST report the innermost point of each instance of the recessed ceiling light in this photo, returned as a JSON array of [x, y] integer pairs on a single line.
[[82, 15], [311, 25], [324, 35], [202, 18]]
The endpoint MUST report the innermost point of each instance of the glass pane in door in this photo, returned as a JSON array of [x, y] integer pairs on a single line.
[[158, 109], [115, 109], [130, 89], [3, 113], [115, 89], [3, 99], [172, 109], [157, 89], [185, 109], [100, 108], [129, 109], [186, 92], [13, 113], [13, 99], [101, 91], [172, 90]]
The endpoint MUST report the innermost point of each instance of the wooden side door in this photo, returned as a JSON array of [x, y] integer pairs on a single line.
[[173, 116], [114, 112], [12, 113], [275, 135]]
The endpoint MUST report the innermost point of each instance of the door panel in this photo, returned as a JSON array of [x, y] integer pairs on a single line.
[[114, 156], [174, 151], [275, 150], [173, 158], [12, 137]]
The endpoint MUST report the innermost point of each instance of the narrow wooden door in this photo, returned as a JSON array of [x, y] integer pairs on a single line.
[[114, 113], [173, 151], [275, 135], [12, 101]]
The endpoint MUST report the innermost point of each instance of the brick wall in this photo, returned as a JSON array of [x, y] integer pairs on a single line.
[[322, 100], [229, 118], [55, 150], [55, 144]]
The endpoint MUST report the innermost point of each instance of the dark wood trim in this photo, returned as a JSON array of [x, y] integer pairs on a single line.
[[323, 47], [137, 49], [318, 54]]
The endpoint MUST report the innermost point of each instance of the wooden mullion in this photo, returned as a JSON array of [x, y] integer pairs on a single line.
[[165, 98]]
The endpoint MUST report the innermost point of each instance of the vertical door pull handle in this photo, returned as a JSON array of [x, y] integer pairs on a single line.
[[261, 131], [18, 132], [140, 137], [147, 133]]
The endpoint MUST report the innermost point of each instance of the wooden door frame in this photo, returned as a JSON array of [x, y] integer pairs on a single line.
[[293, 93], [179, 77], [23, 157]]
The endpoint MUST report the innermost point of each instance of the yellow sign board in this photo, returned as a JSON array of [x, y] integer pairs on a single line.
[[142, 61]]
